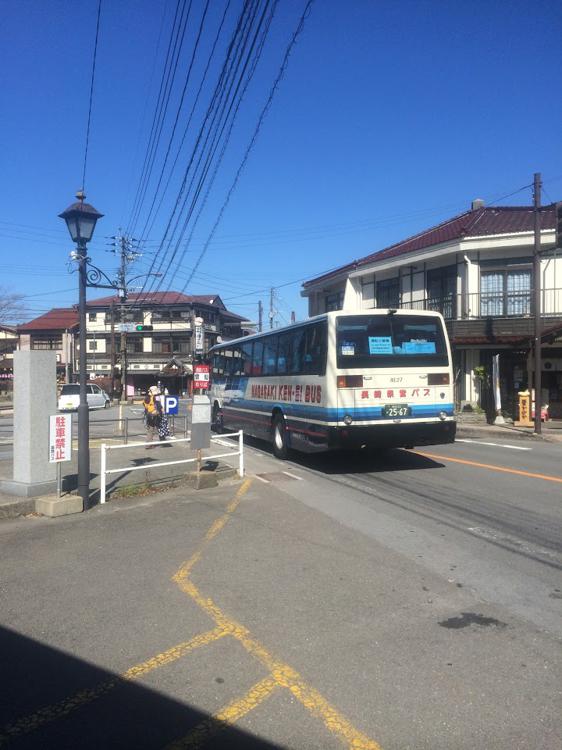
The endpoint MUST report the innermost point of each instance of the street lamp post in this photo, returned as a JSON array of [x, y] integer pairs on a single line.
[[81, 220]]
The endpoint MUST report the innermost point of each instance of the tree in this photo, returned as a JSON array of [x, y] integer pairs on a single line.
[[12, 308]]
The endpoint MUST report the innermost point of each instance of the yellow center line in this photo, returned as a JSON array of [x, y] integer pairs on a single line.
[[56, 711], [492, 467], [226, 716], [282, 674]]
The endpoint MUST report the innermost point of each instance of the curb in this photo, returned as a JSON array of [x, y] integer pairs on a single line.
[[512, 433], [19, 507], [16, 508]]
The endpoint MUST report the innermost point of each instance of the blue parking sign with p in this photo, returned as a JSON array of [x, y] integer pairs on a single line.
[[171, 404]]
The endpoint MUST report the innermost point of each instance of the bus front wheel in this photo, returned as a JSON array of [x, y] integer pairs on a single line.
[[280, 447]]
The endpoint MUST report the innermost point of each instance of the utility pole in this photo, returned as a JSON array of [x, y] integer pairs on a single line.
[[124, 247], [260, 316], [112, 348], [271, 310], [122, 280], [538, 322]]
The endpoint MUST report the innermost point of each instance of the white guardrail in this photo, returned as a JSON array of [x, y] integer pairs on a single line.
[[104, 471]]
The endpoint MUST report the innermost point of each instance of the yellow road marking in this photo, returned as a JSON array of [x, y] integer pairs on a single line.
[[282, 674], [226, 716], [56, 711], [492, 467]]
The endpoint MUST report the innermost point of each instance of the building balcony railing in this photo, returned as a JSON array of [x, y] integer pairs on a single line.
[[501, 304]]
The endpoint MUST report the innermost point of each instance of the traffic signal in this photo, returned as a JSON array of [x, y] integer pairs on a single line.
[[143, 328], [558, 224]]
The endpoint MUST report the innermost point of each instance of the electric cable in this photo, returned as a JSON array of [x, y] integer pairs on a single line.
[[160, 128], [174, 31], [91, 98], [240, 28], [257, 129], [189, 120], [217, 139]]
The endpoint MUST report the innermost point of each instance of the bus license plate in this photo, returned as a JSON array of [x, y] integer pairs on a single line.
[[396, 410]]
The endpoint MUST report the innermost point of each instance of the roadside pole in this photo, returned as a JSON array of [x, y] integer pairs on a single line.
[[537, 281]]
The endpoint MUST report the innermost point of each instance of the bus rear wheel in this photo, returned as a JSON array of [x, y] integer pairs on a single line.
[[280, 447], [218, 420]]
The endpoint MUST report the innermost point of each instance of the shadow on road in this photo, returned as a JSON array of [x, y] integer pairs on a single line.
[[54, 700], [355, 461]]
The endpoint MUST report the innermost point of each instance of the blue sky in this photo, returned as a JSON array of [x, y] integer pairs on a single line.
[[391, 116]]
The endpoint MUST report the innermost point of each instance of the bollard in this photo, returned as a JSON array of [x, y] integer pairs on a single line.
[[185, 426], [103, 466], [126, 430], [241, 449]]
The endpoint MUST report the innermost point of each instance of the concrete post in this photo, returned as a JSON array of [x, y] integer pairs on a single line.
[[35, 399]]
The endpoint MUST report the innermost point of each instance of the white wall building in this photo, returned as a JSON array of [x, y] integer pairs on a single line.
[[477, 270]]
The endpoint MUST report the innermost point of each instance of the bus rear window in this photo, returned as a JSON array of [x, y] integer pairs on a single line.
[[390, 341]]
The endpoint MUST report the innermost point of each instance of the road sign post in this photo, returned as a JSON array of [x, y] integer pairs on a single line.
[[201, 377], [60, 443]]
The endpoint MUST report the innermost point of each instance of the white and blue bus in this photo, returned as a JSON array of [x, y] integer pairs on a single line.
[[339, 380]]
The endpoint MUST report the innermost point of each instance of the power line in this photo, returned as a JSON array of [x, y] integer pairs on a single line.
[[257, 129], [178, 112], [189, 120], [216, 140], [91, 96], [210, 116], [174, 32]]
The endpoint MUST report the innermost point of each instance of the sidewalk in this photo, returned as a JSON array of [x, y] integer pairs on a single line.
[[475, 425], [132, 481]]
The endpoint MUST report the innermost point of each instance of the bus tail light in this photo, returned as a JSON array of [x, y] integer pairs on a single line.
[[350, 381], [438, 378]]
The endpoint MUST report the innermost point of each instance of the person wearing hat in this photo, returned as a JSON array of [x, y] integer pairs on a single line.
[[152, 414]]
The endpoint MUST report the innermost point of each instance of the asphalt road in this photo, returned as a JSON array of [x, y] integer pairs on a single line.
[[411, 600]]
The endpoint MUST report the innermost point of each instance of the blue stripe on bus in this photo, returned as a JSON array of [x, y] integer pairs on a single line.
[[362, 413]]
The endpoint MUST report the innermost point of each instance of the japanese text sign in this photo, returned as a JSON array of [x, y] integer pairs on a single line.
[[60, 438]]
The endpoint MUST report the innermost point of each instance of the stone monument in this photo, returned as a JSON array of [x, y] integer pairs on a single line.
[[35, 399]]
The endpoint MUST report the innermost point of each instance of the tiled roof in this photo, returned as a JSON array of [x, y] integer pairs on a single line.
[[234, 316], [158, 298], [59, 318], [477, 223]]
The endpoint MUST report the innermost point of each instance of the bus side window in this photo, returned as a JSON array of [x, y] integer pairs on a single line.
[[284, 353], [298, 351], [315, 356], [270, 355], [246, 363], [230, 362], [256, 366]]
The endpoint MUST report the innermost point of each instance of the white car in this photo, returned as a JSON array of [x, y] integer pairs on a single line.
[[70, 397]]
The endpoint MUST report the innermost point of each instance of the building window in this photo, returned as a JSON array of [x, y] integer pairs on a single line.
[[505, 292], [442, 291], [334, 301], [161, 346], [92, 317], [134, 345], [388, 293], [92, 345], [46, 342]]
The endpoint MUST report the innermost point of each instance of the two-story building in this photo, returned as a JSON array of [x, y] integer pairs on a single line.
[[159, 338], [477, 270], [54, 330], [8, 344]]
